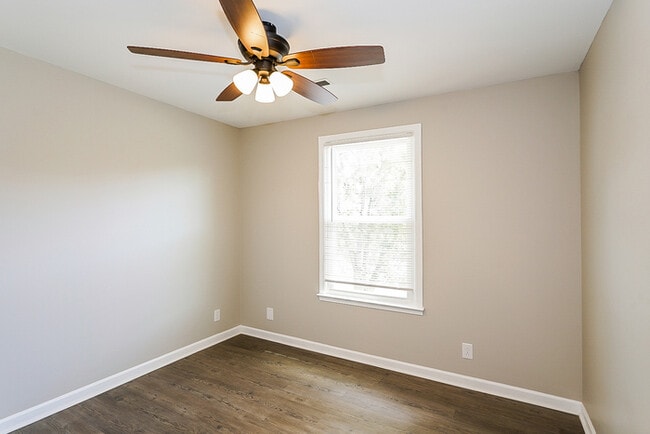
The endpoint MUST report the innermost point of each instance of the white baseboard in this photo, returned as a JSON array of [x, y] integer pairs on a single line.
[[586, 421], [48, 408], [62, 402], [498, 389]]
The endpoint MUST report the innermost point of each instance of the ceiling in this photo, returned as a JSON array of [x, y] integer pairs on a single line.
[[431, 46]]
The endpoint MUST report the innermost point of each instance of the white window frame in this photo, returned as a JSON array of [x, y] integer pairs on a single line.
[[414, 303]]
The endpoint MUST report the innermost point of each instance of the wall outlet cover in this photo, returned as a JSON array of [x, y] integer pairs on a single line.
[[467, 351]]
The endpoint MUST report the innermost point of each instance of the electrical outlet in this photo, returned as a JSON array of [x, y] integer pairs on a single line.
[[217, 315], [269, 313], [467, 351]]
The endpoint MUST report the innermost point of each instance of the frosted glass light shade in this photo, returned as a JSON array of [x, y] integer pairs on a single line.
[[282, 84], [264, 93], [245, 81]]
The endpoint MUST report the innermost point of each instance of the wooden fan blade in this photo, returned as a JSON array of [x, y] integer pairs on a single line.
[[230, 93], [336, 57], [309, 89], [175, 54], [247, 24]]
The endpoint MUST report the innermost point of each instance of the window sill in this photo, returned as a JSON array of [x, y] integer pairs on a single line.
[[372, 305]]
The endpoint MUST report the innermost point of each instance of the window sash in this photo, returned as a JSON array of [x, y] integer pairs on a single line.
[[379, 255]]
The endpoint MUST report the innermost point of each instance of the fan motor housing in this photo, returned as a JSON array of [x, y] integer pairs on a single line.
[[278, 46]]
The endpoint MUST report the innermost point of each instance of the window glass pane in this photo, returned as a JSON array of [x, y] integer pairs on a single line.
[[373, 179], [378, 254]]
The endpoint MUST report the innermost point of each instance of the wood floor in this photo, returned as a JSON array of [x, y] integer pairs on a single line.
[[248, 385]]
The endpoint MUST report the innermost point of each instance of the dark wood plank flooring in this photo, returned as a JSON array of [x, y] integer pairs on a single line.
[[249, 385]]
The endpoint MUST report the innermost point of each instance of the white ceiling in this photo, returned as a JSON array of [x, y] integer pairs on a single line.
[[431, 46]]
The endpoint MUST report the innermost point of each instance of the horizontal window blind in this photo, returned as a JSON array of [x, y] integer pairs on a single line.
[[369, 209], [369, 254]]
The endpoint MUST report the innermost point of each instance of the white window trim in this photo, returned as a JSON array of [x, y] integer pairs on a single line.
[[415, 130]]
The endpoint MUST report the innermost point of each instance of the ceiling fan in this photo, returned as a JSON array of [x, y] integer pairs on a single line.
[[263, 48]]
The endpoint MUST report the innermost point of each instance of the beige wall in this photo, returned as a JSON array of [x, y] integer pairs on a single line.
[[118, 230], [615, 101], [501, 195]]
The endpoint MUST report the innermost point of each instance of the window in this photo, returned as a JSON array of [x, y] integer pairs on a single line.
[[370, 219]]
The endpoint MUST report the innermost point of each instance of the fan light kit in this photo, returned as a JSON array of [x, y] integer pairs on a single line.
[[269, 86], [263, 48]]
